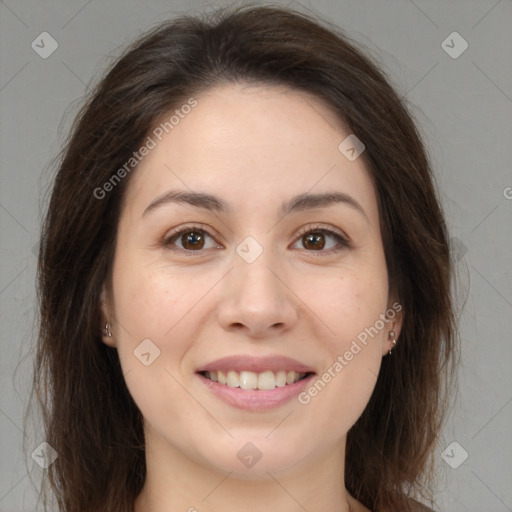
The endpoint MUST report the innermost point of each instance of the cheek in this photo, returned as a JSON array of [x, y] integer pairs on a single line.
[[149, 300], [351, 307], [145, 310], [154, 334], [163, 306], [348, 304]]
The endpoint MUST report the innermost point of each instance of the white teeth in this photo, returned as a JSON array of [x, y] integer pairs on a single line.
[[248, 380], [252, 380], [233, 379], [281, 378], [266, 380]]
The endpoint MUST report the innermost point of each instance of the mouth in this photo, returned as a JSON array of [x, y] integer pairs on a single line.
[[255, 383], [251, 380]]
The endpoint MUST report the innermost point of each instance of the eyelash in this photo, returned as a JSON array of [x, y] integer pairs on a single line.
[[342, 241]]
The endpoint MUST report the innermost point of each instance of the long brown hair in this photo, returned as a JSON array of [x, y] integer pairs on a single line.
[[89, 416]]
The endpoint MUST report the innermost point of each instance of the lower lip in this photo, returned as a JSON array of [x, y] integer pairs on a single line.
[[256, 399]]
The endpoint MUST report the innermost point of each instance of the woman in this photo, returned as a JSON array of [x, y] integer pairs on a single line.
[[244, 280]]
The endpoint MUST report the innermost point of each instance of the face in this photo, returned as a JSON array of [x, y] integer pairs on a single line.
[[262, 282]]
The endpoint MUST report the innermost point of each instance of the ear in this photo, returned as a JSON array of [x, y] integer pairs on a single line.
[[394, 315], [106, 317]]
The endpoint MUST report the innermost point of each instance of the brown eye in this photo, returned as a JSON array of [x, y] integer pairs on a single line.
[[314, 240], [319, 241], [192, 240]]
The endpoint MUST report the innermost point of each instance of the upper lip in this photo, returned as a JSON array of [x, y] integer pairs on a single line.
[[256, 364]]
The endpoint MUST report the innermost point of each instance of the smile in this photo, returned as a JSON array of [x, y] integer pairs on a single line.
[[253, 383], [251, 380]]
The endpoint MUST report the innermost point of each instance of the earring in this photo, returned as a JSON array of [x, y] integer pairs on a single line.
[[392, 338], [108, 332]]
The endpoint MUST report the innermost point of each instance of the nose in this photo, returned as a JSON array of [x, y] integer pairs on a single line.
[[257, 300]]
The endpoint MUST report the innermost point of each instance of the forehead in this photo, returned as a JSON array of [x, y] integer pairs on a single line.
[[253, 145]]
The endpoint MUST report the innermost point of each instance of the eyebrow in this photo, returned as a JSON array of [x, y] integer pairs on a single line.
[[301, 202]]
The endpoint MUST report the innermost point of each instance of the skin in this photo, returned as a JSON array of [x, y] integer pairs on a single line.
[[254, 147]]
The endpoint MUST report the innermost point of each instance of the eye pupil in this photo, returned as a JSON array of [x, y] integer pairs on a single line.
[[194, 238], [315, 238]]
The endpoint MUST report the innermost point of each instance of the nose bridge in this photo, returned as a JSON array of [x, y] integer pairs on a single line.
[[255, 272], [255, 296]]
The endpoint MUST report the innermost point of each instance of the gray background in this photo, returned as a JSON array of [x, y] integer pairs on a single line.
[[463, 106]]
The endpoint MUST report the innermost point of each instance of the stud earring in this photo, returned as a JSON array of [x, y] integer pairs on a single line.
[[108, 332], [392, 338]]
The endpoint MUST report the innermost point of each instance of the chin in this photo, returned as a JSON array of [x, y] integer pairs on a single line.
[[248, 460]]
